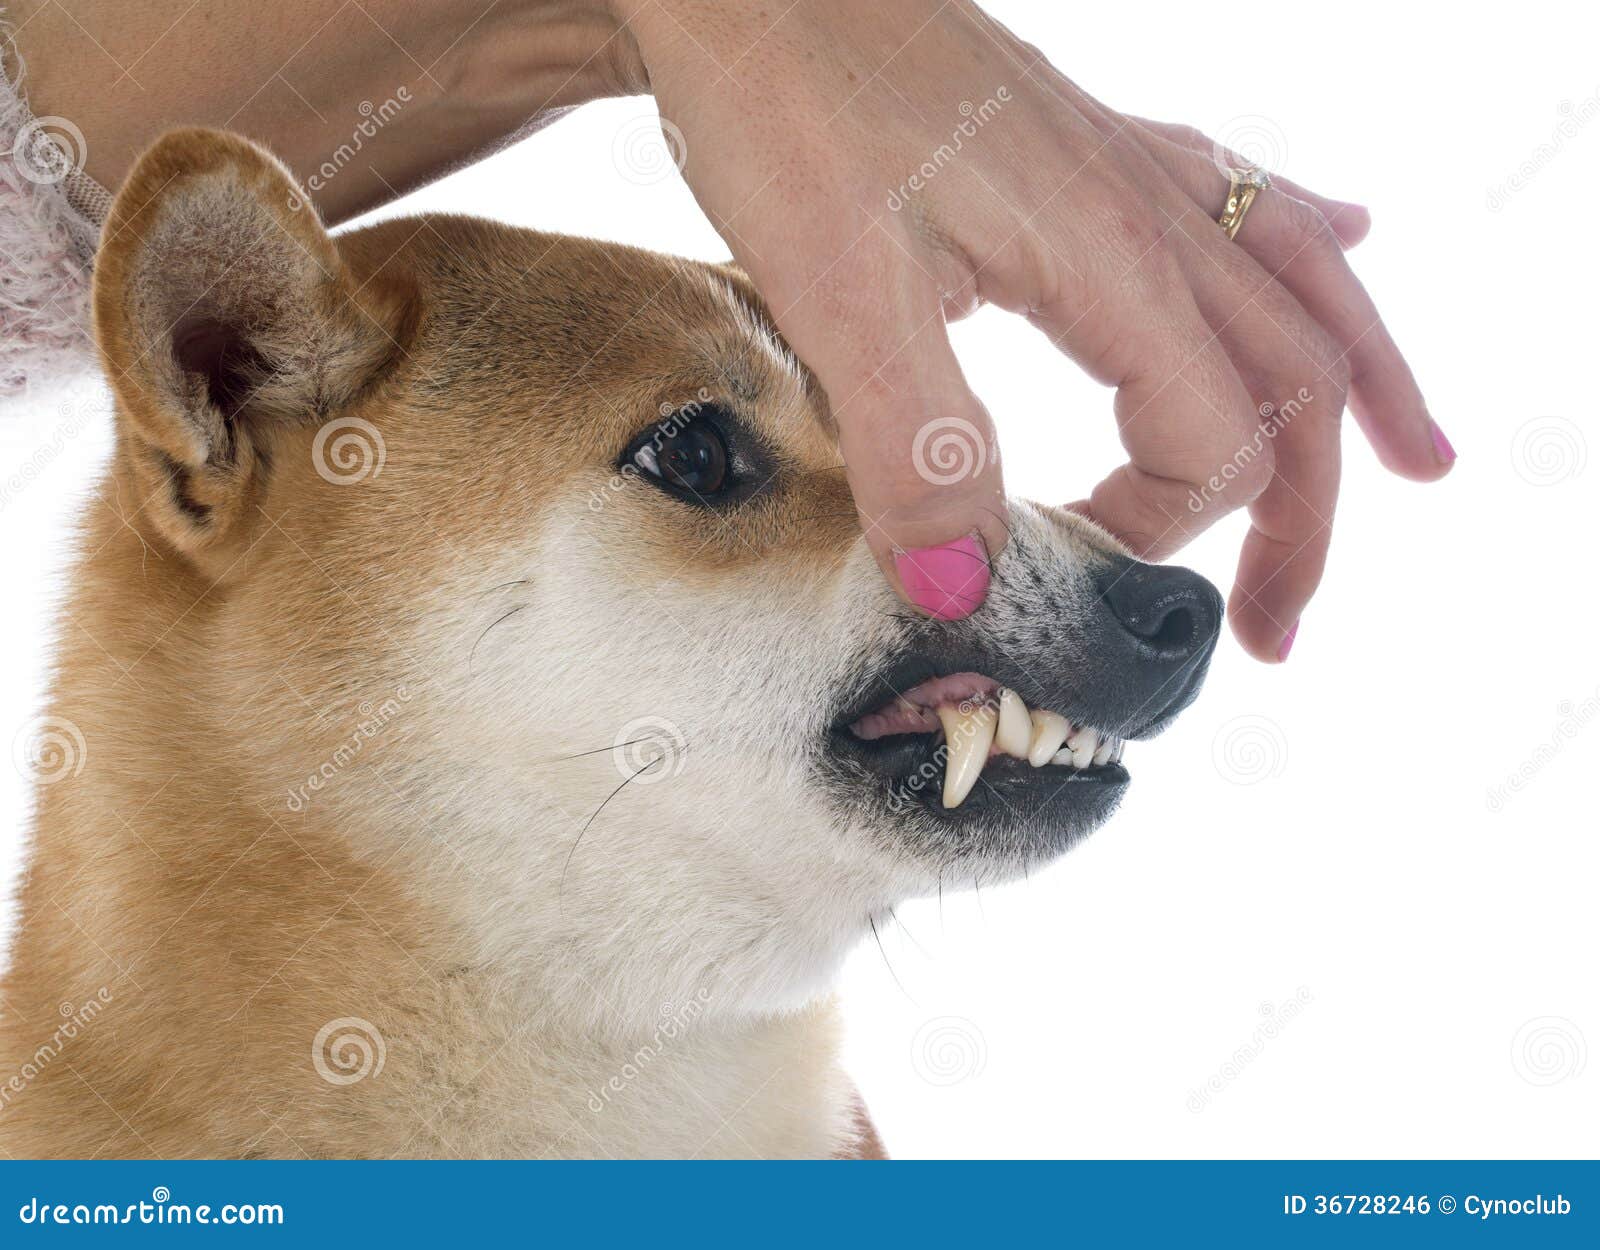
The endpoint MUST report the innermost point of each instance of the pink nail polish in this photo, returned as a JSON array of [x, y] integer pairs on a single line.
[[947, 582], [1287, 643], [1441, 444]]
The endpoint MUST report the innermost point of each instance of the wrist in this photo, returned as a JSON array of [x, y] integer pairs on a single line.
[[381, 98], [520, 62]]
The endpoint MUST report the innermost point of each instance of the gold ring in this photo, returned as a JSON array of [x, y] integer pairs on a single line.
[[1243, 187]]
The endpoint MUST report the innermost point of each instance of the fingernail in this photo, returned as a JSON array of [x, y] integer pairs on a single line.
[[1287, 643], [947, 582], [1441, 444]]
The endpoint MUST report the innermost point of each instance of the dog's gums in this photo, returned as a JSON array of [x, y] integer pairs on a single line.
[[610, 713], [979, 719]]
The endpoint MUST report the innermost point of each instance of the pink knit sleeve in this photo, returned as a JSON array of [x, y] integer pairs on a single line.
[[50, 218]]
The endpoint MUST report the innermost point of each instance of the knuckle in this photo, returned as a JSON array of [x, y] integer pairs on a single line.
[[1254, 465], [1136, 232], [1151, 264], [1336, 369], [1305, 356], [1331, 365]]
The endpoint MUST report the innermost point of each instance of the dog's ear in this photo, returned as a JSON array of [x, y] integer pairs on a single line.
[[223, 313]]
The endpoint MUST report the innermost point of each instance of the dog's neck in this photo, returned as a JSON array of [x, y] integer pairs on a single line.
[[288, 999]]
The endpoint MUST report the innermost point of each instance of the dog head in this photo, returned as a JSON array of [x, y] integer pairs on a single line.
[[527, 564]]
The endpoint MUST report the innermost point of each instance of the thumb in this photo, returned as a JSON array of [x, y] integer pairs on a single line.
[[920, 454]]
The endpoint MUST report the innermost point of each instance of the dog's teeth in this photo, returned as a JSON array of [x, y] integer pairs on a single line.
[[1062, 756], [1083, 745], [1013, 732], [1102, 753], [1050, 730], [967, 738]]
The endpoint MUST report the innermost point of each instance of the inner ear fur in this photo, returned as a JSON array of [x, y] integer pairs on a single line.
[[223, 310]]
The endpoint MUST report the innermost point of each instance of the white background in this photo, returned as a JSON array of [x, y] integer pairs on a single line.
[[1311, 931]]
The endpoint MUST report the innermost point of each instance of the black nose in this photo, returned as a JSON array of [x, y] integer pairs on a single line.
[[1172, 615]]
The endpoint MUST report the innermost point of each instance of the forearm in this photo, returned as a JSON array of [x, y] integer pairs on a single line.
[[363, 101]]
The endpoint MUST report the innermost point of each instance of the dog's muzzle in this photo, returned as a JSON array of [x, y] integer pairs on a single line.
[[1154, 635]]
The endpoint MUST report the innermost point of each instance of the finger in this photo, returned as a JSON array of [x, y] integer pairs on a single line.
[[1277, 350], [1350, 223], [1181, 407], [919, 448], [1294, 244], [1293, 371]]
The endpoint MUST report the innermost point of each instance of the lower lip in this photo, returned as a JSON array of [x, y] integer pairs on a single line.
[[911, 766]]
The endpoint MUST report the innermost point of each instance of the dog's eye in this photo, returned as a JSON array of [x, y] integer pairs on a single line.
[[688, 455]]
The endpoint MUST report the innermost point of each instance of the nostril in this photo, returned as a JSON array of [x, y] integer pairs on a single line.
[[1176, 629], [1171, 613]]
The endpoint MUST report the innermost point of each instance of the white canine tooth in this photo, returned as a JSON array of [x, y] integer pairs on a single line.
[[1102, 753], [1050, 730], [967, 738], [1083, 745], [1062, 756], [1014, 731]]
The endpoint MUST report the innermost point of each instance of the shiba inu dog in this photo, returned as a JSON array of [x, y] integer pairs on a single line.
[[480, 727]]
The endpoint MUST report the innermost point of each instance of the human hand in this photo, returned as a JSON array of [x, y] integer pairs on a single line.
[[881, 170]]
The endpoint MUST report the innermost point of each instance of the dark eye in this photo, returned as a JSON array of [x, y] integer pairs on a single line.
[[689, 455]]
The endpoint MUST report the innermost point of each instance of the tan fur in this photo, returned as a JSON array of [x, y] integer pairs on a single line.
[[236, 618]]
